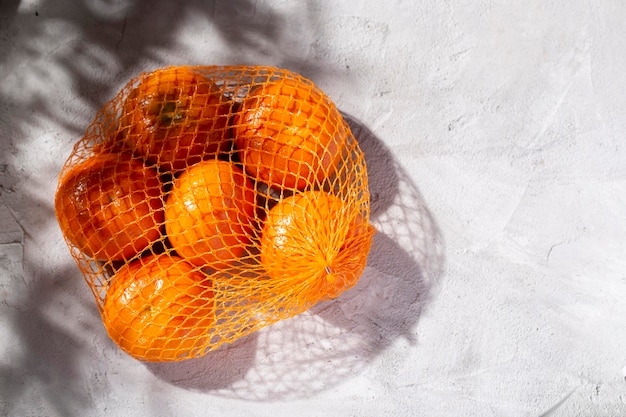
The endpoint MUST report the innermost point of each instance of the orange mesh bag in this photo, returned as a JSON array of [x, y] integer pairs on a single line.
[[204, 203]]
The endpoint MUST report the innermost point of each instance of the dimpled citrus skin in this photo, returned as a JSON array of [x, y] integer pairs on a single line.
[[109, 206], [175, 117], [313, 241], [209, 214], [159, 308], [289, 134]]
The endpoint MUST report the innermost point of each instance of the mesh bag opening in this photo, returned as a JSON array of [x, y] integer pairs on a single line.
[[206, 202]]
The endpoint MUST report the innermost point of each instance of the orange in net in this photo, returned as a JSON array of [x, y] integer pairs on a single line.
[[314, 246], [277, 214], [159, 308], [175, 117], [209, 214], [109, 206], [289, 134]]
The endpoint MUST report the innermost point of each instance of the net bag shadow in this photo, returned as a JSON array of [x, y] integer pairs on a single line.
[[206, 202]]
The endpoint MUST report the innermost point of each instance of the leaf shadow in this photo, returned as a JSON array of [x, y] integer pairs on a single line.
[[90, 47], [43, 362], [296, 358], [114, 41]]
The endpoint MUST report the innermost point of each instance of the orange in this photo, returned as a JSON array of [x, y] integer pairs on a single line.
[[289, 134], [109, 206], [314, 246], [159, 308], [209, 214], [175, 117]]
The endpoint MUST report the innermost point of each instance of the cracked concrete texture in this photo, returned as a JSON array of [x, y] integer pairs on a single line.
[[493, 133]]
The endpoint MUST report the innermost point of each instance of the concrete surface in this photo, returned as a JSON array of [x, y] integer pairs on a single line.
[[494, 132]]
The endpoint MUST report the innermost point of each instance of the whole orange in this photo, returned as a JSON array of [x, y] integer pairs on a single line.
[[314, 246], [109, 206], [175, 117], [209, 214], [289, 134], [159, 308]]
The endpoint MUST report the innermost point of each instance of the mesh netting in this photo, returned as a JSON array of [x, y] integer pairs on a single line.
[[204, 203]]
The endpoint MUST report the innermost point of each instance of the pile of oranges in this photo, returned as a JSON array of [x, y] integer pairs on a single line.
[[204, 203]]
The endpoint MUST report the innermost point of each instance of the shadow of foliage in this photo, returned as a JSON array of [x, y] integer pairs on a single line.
[[60, 60], [93, 47]]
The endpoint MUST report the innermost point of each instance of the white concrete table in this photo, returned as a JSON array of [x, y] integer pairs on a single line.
[[494, 137]]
